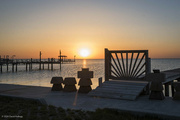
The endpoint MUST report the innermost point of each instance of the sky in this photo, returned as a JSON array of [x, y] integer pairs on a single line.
[[30, 26]]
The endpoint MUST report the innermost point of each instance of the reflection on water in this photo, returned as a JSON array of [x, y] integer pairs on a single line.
[[43, 77], [84, 63]]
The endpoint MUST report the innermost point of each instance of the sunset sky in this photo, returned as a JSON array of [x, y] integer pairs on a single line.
[[30, 26]]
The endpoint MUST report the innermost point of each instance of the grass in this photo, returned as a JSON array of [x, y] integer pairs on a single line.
[[17, 108]]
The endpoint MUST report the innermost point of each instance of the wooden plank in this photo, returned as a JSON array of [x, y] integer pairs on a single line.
[[115, 96], [123, 87], [128, 51], [119, 90], [126, 83], [171, 76], [129, 81], [128, 92], [130, 84]]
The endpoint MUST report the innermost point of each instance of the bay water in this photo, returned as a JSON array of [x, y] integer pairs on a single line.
[[37, 77]]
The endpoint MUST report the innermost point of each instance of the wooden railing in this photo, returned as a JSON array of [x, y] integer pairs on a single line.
[[126, 64]]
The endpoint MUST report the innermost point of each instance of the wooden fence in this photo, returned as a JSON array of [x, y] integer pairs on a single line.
[[126, 64]]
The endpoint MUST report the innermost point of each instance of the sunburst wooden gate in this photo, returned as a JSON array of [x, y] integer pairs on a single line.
[[124, 70], [126, 64]]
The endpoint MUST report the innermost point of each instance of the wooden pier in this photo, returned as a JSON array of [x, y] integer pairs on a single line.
[[29, 64], [6, 62], [171, 76]]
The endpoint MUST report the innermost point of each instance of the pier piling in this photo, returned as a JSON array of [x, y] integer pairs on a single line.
[[51, 66], [13, 67], [16, 67], [7, 67], [29, 66], [26, 66], [31, 63], [1, 68]]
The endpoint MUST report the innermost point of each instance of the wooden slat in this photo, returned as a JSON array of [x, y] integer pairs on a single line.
[[130, 63], [123, 64], [119, 91], [123, 86], [132, 86], [134, 65], [127, 63], [122, 89], [114, 73], [128, 51], [115, 96], [117, 68], [119, 64], [138, 65], [136, 74], [126, 82]]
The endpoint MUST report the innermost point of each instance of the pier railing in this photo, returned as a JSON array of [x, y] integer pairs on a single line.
[[29, 62]]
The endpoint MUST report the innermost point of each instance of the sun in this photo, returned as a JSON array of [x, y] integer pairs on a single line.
[[84, 52]]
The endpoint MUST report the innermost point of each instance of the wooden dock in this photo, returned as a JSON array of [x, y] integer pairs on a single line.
[[171, 76], [125, 79], [130, 90], [120, 89], [6, 62], [29, 64]]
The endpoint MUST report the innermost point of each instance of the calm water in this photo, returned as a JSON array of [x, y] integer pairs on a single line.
[[43, 77]]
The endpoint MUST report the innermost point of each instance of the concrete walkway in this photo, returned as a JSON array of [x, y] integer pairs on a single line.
[[167, 108]]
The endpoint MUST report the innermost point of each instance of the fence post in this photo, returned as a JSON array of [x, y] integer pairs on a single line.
[[107, 64], [166, 89], [148, 63], [100, 81], [12, 67]]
